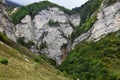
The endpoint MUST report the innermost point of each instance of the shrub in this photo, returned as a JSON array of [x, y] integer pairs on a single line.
[[26, 44], [37, 59], [53, 23], [43, 45], [3, 37], [4, 61], [109, 2]]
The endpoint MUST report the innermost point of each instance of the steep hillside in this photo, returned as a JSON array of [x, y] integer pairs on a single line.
[[95, 60], [95, 53], [88, 13], [6, 25], [107, 21], [87, 41], [23, 64], [16, 61], [87, 9]]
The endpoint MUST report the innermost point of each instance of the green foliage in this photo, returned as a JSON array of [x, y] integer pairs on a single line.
[[4, 60], [53, 23], [48, 60], [64, 46], [88, 13], [65, 73], [37, 59], [87, 9], [94, 60], [3, 37], [33, 9], [26, 44], [42, 57], [84, 27], [43, 45], [109, 2]]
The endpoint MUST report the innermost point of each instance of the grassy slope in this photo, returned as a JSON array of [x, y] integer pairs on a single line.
[[22, 66]]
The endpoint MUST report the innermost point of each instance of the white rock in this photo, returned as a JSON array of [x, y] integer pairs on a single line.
[[75, 20], [39, 31], [6, 26], [26, 19], [108, 20]]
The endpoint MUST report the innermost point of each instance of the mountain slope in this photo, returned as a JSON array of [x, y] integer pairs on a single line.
[[95, 53], [47, 26], [22, 66], [12, 4], [95, 60], [16, 61]]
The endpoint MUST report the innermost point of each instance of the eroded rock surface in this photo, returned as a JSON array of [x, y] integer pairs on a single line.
[[48, 38], [6, 26], [108, 20]]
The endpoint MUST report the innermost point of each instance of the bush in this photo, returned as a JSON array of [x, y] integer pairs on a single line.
[[26, 44], [109, 2], [3, 37], [3, 61], [37, 59], [43, 45], [53, 23], [43, 57]]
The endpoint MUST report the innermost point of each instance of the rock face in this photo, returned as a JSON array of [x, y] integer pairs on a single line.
[[6, 26], [49, 30], [108, 20]]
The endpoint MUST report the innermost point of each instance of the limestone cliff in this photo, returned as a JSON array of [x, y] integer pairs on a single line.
[[50, 29], [108, 20], [6, 26]]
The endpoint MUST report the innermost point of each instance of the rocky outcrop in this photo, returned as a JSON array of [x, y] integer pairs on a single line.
[[6, 26], [49, 30], [108, 20]]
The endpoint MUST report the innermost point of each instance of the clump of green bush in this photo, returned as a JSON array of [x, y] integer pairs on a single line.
[[3, 37], [53, 23], [37, 59], [4, 61], [26, 44], [109, 2]]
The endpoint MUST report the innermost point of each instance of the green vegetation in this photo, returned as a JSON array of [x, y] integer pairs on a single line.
[[88, 13], [53, 23], [26, 44], [95, 60], [22, 66], [84, 27], [3, 61], [3, 37], [33, 9], [42, 57], [43, 45], [109, 2], [87, 9]]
